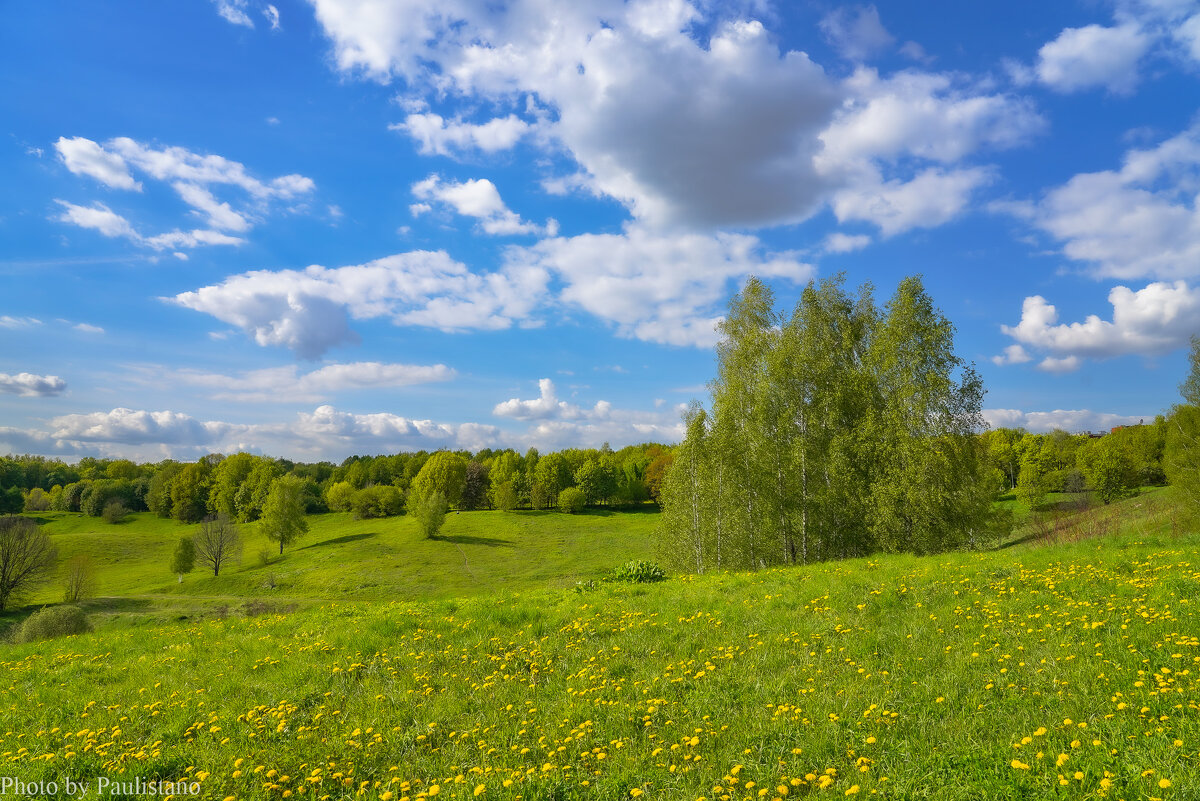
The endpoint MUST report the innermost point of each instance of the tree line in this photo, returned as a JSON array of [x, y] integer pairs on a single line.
[[239, 485]]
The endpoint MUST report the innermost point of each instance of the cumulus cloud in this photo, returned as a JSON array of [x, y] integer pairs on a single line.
[[437, 136], [84, 157], [654, 287], [714, 131], [309, 310], [1142, 220], [558, 424], [1091, 56], [887, 127], [478, 198], [1156, 319], [837, 242], [130, 427], [271, 384], [193, 177], [856, 32], [1013, 354], [1072, 420], [29, 385]]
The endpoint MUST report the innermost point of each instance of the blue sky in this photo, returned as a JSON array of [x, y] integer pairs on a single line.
[[314, 229]]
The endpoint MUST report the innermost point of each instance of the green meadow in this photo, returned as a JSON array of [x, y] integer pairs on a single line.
[[384, 666]]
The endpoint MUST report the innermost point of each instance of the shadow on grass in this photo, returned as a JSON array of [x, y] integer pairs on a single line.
[[468, 539], [341, 540], [113, 604], [1016, 542]]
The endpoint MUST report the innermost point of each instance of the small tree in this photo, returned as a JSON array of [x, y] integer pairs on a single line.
[[430, 512], [79, 581], [218, 543], [26, 558], [183, 560], [283, 518], [505, 496]]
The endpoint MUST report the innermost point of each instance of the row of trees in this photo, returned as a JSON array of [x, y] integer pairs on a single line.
[[239, 485], [1113, 465], [839, 430]]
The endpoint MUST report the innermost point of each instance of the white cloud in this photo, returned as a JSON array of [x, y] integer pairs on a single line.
[[1142, 220], [558, 424], [309, 310], [931, 198], [480, 199], [130, 427], [685, 130], [1072, 420], [888, 126], [88, 328], [1013, 354], [856, 32], [18, 322], [654, 287], [438, 136], [234, 11], [1156, 319], [110, 224], [1082, 58], [191, 175], [29, 385], [678, 131], [84, 157], [271, 384], [98, 218], [837, 242], [545, 406], [272, 15]]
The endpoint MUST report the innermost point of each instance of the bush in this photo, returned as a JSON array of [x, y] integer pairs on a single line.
[[38, 500], [380, 500], [637, 572], [429, 512], [572, 500], [53, 621], [114, 511]]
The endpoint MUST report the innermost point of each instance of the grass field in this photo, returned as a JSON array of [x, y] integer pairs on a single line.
[[1032, 671], [342, 558]]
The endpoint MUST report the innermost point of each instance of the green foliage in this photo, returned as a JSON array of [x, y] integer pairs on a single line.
[[183, 558], [339, 495], [504, 496], [839, 431], [1182, 446], [380, 500], [476, 486], [52, 622], [429, 511], [12, 501], [283, 519], [38, 500], [114, 511], [27, 558], [443, 472], [572, 500], [637, 572], [189, 492]]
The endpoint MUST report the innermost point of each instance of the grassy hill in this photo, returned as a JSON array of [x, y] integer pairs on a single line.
[[343, 558], [1027, 672]]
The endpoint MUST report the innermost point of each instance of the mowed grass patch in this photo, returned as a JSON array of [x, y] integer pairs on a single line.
[[1066, 671]]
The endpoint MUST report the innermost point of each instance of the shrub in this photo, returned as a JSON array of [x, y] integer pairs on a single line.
[[53, 621], [114, 511], [637, 572], [38, 500], [572, 500], [380, 500]]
